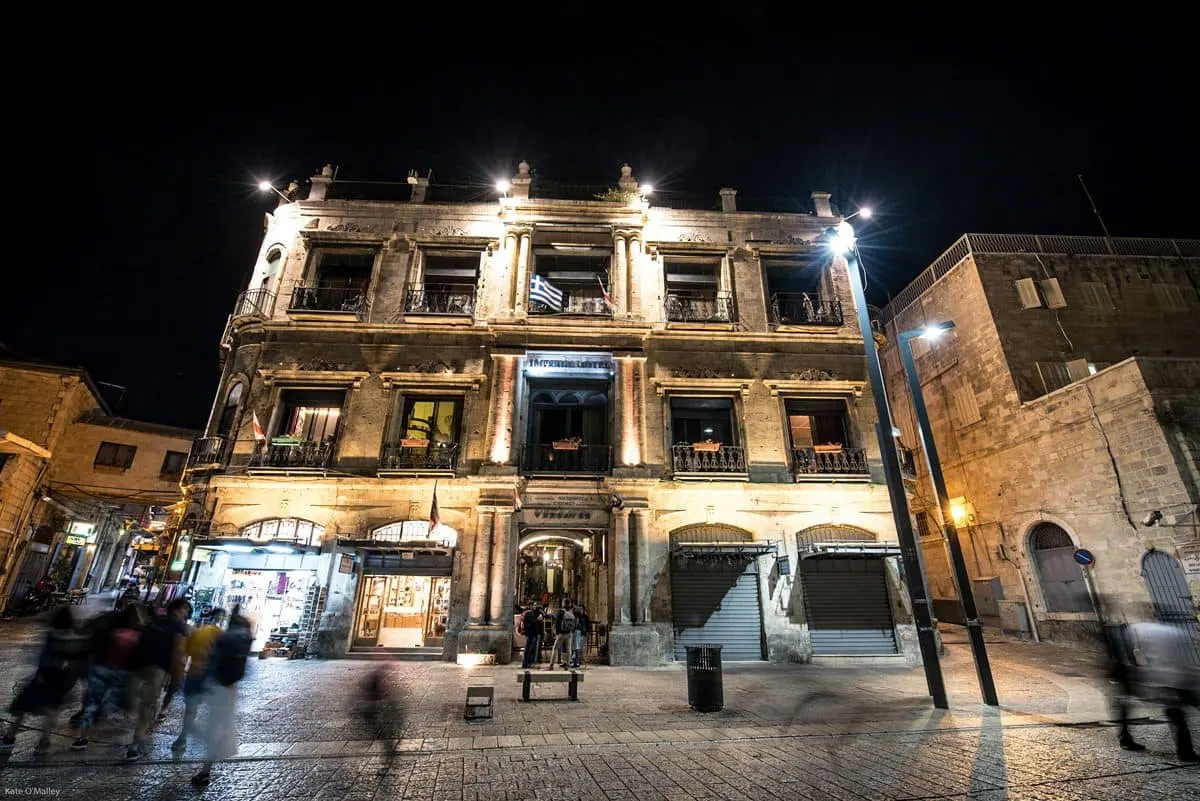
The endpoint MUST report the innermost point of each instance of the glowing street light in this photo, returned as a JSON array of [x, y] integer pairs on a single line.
[[646, 189], [267, 186], [935, 331], [502, 186]]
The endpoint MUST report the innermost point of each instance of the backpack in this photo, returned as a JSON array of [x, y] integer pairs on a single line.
[[230, 653], [122, 645], [568, 623]]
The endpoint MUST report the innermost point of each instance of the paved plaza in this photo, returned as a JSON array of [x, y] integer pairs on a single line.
[[786, 732]]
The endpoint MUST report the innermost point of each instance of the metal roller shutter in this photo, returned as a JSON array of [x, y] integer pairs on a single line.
[[847, 606], [718, 604]]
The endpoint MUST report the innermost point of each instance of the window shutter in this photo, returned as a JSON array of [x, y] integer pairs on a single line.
[[1054, 375], [1078, 369], [1170, 298], [1095, 296], [1027, 292], [965, 405], [1053, 294]]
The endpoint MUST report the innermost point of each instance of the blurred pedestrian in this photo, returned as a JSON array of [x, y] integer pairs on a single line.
[[583, 625], [1120, 666], [159, 658], [114, 644], [564, 635], [226, 667], [62, 661], [379, 708], [1166, 675], [531, 627], [199, 647], [175, 682]]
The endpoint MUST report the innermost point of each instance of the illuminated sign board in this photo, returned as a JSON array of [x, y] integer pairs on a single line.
[[76, 539], [82, 528]]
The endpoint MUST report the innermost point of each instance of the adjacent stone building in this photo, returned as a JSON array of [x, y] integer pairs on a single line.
[[658, 411], [79, 488], [1065, 406]]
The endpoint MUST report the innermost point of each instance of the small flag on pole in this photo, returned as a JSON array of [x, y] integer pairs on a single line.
[[608, 301], [435, 519], [516, 500], [259, 436], [543, 292]]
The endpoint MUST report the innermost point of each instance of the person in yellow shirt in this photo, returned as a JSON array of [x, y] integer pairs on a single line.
[[198, 647]]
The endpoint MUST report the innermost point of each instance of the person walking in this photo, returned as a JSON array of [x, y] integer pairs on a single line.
[[381, 713], [564, 633], [226, 668], [198, 648], [583, 625], [62, 661], [531, 627], [160, 657], [114, 646], [1166, 675], [1122, 670]]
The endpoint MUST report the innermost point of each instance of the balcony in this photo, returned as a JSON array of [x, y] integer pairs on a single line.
[[804, 308], [207, 453], [578, 302], [441, 299], [254, 303], [328, 301], [908, 461], [568, 457], [699, 307], [822, 463], [418, 456], [288, 455], [708, 460]]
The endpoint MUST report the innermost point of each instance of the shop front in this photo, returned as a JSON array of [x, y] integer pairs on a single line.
[[404, 595]]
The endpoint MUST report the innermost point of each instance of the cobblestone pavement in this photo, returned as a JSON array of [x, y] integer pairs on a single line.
[[787, 732]]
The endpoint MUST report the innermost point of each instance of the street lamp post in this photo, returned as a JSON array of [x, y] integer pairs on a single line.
[[962, 579], [842, 237]]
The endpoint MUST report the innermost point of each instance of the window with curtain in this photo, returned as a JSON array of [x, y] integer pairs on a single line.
[[311, 416], [812, 423], [434, 419]]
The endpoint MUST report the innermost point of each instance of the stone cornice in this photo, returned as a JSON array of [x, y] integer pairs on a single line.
[[438, 381], [332, 378], [792, 386], [740, 386]]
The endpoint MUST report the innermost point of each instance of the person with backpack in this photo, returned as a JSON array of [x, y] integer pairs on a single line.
[[583, 625], [199, 647], [226, 667], [159, 657], [531, 627], [564, 635], [114, 644], [62, 661]]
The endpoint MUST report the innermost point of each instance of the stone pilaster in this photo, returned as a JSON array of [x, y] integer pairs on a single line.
[[501, 607], [621, 568], [480, 573], [619, 284], [523, 271]]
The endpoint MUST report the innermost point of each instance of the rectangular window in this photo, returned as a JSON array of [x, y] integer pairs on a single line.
[[702, 420], [964, 405], [1053, 375], [1170, 298], [172, 466], [924, 527], [695, 290], [1095, 296], [816, 423], [580, 273], [114, 454], [447, 286], [435, 420], [345, 269], [310, 415], [799, 293]]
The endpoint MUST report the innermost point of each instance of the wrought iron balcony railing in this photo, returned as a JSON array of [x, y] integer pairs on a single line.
[[579, 301], [844, 462], [254, 303], [804, 308], [292, 455], [335, 300], [415, 456], [699, 307], [206, 452], [568, 457], [702, 458], [454, 299]]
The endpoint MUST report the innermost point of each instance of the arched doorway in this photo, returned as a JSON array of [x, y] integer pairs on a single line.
[[1173, 604], [553, 565], [1064, 587], [715, 591], [847, 604]]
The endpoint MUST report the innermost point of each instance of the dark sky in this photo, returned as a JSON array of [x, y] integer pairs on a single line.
[[944, 124]]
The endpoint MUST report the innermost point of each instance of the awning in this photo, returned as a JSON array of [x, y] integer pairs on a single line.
[[849, 549]]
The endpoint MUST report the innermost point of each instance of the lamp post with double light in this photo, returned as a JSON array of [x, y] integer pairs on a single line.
[[842, 240], [958, 564]]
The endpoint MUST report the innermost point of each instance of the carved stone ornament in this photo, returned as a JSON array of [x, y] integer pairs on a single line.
[[812, 374], [698, 372], [692, 236], [313, 223], [448, 230], [352, 228], [317, 364], [784, 238], [435, 366]]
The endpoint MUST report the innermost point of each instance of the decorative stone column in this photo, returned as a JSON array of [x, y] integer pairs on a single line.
[[621, 568], [639, 536], [521, 307], [500, 611], [503, 400], [636, 277], [507, 302], [478, 606], [619, 285]]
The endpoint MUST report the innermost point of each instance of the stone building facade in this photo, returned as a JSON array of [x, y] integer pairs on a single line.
[[661, 413], [1065, 405], [77, 485]]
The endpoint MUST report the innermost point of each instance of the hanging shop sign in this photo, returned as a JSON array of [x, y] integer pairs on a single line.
[[82, 528], [76, 539], [416, 531], [599, 365], [559, 517]]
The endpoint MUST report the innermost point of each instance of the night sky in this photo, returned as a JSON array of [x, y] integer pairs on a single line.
[[154, 221]]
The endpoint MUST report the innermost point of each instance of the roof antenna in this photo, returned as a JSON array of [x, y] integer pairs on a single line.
[[1095, 210]]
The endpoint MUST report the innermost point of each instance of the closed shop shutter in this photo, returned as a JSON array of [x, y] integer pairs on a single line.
[[717, 604], [846, 603]]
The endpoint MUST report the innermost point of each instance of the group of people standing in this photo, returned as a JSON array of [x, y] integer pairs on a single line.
[[134, 660], [569, 625]]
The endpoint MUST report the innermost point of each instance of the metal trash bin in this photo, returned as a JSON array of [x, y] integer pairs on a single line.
[[706, 690]]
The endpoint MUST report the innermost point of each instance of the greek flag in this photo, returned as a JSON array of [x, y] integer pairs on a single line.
[[543, 292]]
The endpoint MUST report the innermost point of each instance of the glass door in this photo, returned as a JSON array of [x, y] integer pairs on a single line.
[[371, 615], [439, 611]]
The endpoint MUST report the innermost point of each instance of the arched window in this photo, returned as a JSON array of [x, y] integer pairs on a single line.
[[1063, 586], [285, 529], [230, 410], [274, 262]]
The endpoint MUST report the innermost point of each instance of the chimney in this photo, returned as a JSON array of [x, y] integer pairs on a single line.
[[728, 199], [320, 183], [419, 187], [821, 204], [627, 183], [521, 181]]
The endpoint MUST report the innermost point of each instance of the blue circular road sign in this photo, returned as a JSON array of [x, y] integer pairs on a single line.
[[1085, 557]]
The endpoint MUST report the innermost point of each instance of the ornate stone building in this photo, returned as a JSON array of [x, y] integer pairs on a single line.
[[1064, 406], [659, 412]]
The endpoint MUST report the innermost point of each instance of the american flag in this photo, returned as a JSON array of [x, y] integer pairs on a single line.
[[543, 292], [435, 519]]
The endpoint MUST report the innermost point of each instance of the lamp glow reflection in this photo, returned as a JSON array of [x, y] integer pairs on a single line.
[[502, 186]]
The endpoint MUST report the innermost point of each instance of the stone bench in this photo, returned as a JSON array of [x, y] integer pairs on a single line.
[[570, 678]]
